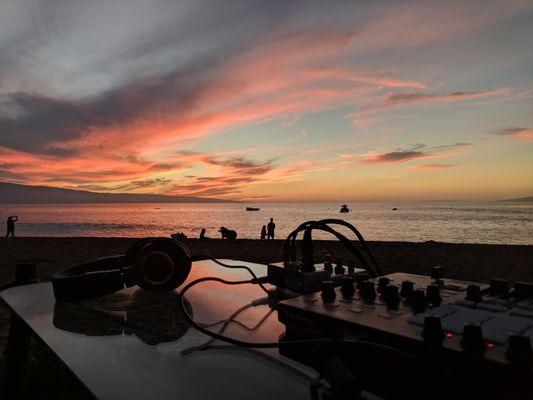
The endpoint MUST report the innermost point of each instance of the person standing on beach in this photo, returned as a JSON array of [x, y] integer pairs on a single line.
[[11, 225], [270, 228], [263, 232]]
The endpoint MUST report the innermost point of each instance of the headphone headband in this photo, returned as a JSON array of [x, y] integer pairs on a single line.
[[155, 264]]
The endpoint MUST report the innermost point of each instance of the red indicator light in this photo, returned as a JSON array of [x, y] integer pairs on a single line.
[[449, 334], [490, 345]]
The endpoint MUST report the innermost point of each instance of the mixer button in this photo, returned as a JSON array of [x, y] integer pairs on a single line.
[[407, 289], [382, 284], [433, 295], [417, 301], [519, 350], [347, 287], [368, 292], [437, 273], [359, 279], [328, 292], [498, 286], [391, 297], [432, 329], [473, 293], [339, 269], [351, 266], [473, 338], [501, 326]]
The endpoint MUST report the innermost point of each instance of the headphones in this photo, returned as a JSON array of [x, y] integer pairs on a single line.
[[154, 264]]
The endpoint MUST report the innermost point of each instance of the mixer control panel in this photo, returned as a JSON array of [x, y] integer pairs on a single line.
[[493, 323]]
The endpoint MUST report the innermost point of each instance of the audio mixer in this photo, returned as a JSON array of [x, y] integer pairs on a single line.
[[480, 331]]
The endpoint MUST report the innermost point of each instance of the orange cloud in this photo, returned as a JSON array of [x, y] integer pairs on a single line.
[[431, 167]]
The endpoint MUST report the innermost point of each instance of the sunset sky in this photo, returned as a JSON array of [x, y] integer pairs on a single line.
[[269, 100]]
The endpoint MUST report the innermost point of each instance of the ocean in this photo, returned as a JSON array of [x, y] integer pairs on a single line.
[[455, 222]]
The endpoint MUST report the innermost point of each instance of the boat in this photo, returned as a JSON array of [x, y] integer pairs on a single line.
[[395, 209], [344, 209], [252, 209]]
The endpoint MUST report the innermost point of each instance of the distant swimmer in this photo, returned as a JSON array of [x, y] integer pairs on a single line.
[[11, 225], [263, 232], [270, 229]]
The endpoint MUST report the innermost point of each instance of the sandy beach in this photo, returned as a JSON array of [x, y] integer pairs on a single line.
[[475, 262]]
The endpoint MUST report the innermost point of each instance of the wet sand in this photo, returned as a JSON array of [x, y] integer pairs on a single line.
[[474, 262]]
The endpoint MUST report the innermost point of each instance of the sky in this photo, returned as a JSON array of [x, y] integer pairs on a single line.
[[269, 100]]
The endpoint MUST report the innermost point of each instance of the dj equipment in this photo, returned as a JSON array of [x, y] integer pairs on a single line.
[[479, 331], [154, 264], [302, 275]]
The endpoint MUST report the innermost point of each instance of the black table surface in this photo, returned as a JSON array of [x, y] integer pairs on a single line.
[[136, 345]]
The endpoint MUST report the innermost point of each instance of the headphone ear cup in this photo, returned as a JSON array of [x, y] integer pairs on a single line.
[[162, 264]]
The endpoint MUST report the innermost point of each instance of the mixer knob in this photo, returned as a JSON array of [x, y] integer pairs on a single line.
[[417, 301], [328, 267], [351, 266], [433, 295], [473, 338], [473, 293], [360, 278], [437, 273], [368, 292], [339, 269], [328, 292], [391, 297], [498, 286], [432, 329], [407, 289], [519, 350], [382, 284], [347, 288]]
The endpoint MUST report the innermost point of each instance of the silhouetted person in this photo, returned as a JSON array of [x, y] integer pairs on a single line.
[[263, 232], [202, 234], [270, 229], [11, 225]]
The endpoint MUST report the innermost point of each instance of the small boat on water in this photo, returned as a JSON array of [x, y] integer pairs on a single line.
[[344, 209], [395, 209], [252, 209]]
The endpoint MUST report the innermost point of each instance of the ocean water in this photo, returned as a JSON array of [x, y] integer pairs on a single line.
[[457, 222]]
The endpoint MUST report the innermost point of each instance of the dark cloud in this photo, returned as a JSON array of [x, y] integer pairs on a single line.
[[415, 151], [397, 156], [409, 97], [510, 130]]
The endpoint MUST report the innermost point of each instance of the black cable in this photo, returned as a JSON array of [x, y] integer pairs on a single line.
[[290, 242], [258, 282]]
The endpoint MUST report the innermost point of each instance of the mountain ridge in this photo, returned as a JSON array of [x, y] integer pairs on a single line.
[[27, 194]]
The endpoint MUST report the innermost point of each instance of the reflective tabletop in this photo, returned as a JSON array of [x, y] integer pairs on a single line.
[[136, 345]]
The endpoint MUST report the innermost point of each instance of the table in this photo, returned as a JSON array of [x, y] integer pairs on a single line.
[[131, 344]]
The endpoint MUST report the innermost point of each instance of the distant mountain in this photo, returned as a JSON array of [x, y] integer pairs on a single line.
[[13, 193], [519, 200]]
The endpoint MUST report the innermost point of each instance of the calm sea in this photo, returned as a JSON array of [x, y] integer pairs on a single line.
[[504, 223]]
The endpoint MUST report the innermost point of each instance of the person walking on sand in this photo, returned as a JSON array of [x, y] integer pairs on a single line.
[[11, 225], [270, 228], [263, 232]]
